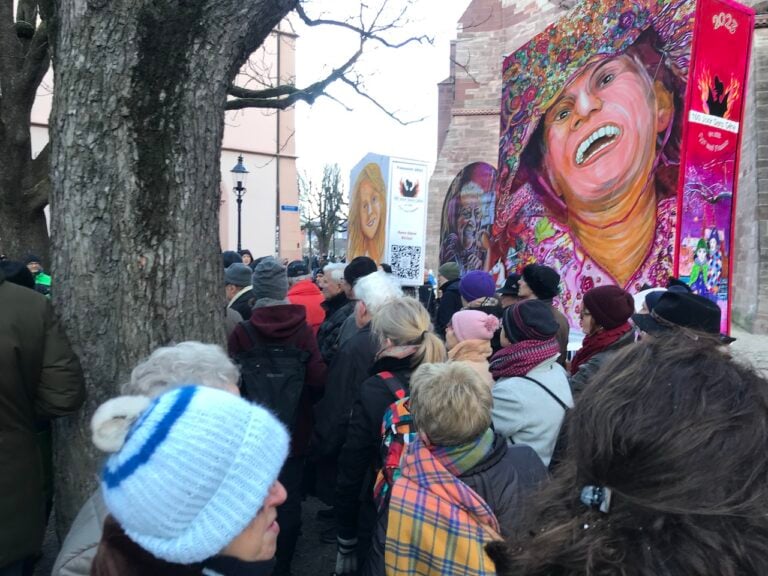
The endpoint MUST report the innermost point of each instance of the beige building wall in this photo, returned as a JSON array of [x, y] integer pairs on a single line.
[[266, 139]]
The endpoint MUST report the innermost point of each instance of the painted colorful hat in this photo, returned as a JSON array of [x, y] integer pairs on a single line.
[[535, 74]]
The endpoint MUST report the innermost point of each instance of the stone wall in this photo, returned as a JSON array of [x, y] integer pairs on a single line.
[[489, 30]]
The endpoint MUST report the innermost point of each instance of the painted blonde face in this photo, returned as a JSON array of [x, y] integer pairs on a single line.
[[600, 134], [370, 209]]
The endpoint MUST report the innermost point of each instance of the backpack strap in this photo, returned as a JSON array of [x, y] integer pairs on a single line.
[[563, 405], [250, 331], [393, 383]]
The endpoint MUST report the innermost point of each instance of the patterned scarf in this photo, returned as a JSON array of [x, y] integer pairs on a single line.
[[462, 458], [521, 357], [437, 524], [597, 342]]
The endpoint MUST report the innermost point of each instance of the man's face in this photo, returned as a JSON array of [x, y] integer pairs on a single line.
[[525, 291], [332, 288], [468, 222], [34, 267], [600, 134], [230, 290]]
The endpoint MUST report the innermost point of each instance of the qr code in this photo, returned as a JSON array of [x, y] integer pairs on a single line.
[[406, 261]]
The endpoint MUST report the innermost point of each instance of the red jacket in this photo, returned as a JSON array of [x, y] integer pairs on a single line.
[[309, 295], [285, 324]]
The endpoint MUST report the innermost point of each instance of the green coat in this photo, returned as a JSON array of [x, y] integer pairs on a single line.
[[40, 378]]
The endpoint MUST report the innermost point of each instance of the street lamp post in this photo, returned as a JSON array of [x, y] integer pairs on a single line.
[[239, 179]]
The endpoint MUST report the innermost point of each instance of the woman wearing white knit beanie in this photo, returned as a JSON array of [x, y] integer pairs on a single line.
[[192, 486]]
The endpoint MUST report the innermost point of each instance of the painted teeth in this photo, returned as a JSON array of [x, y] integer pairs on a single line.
[[599, 133]]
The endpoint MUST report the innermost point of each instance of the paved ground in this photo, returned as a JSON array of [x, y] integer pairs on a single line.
[[314, 558]]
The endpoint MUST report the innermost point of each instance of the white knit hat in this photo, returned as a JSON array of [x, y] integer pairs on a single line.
[[193, 472]]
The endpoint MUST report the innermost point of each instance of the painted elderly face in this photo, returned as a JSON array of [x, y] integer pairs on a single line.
[[600, 135], [713, 244], [370, 209], [469, 220]]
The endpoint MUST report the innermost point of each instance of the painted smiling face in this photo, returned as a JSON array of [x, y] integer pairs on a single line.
[[370, 209], [600, 134]]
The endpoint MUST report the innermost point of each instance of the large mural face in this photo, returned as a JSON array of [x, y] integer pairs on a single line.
[[467, 218], [592, 117], [367, 227]]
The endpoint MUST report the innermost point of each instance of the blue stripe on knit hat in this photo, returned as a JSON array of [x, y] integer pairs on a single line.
[[113, 478]]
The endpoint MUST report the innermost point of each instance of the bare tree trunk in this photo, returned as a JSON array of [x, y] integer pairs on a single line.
[[140, 90]]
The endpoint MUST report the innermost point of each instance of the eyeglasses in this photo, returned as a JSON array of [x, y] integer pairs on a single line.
[[584, 313]]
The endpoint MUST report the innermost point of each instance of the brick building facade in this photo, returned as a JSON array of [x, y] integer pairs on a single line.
[[468, 131]]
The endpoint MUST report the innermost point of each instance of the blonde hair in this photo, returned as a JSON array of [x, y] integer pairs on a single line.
[[358, 244], [405, 322], [450, 403]]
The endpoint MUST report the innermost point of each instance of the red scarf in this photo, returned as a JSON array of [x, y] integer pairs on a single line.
[[597, 342], [521, 357]]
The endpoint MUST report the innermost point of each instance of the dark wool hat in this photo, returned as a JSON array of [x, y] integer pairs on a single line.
[[678, 308], [269, 280], [449, 271], [17, 273], [529, 320], [477, 284], [230, 257], [359, 267], [511, 286], [31, 258], [297, 268], [543, 281], [238, 274], [610, 306]]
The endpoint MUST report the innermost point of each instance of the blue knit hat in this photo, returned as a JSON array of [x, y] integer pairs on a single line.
[[194, 470]]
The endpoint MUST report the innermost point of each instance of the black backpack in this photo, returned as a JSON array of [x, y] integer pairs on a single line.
[[273, 375]]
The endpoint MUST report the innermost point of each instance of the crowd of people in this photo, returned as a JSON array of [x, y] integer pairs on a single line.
[[450, 435]]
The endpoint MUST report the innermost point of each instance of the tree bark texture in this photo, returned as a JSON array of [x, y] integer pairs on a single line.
[[24, 60], [138, 117]]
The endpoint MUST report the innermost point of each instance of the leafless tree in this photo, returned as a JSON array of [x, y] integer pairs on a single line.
[[323, 207]]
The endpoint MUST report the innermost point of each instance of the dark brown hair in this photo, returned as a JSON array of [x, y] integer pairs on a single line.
[[678, 431]]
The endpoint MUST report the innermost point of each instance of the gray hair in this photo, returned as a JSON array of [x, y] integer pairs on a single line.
[[334, 271], [185, 363], [376, 289]]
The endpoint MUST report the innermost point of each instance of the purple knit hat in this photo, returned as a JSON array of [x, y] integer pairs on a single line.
[[477, 284]]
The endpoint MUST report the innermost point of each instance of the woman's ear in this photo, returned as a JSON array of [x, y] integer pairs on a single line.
[[665, 106]]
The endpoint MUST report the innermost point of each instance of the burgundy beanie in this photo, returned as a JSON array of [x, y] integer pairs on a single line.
[[473, 325], [477, 284], [610, 306]]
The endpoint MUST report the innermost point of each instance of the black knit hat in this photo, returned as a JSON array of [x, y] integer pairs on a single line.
[[511, 286], [610, 306], [543, 281], [529, 320], [359, 267], [229, 257]]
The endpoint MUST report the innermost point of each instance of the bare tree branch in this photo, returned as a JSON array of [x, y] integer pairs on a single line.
[[284, 96], [371, 33], [355, 85]]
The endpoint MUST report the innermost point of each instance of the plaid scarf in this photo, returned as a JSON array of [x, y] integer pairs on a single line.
[[437, 524], [521, 357]]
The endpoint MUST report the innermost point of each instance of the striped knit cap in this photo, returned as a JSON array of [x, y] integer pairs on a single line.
[[193, 472], [529, 320]]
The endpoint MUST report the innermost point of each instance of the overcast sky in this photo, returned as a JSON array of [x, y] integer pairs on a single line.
[[404, 80]]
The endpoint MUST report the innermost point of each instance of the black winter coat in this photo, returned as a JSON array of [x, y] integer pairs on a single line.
[[505, 479], [243, 304], [347, 372], [450, 303], [360, 457], [337, 310]]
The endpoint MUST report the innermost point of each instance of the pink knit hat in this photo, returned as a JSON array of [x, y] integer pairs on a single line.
[[474, 325]]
